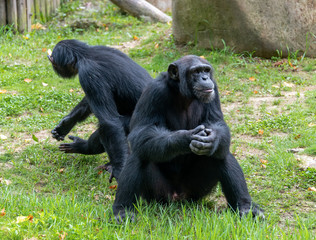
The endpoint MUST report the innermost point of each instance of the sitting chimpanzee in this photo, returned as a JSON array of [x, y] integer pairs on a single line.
[[180, 143], [112, 83]]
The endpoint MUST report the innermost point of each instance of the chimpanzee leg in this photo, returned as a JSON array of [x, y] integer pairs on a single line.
[[91, 146], [78, 114], [235, 188], [129, 188]]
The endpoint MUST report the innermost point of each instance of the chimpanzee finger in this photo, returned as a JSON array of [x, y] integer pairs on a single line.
[[204, 139], [197, 129], [198, 151], [201, 145]]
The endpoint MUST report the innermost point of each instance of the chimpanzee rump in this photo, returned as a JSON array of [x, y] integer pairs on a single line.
[[112, 83], [180, 143]]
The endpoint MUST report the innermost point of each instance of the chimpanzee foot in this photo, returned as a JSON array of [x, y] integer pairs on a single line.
[[254, 209], [122, 214], [62, 129], [77, 146], [109, 168]]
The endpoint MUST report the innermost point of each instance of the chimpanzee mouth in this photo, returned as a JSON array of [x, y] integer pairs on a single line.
[[208, 90]]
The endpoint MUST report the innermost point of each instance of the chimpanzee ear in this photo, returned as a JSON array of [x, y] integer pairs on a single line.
[[173, 71]]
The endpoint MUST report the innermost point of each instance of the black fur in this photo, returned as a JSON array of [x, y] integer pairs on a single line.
[[112, 83], [180, 143]]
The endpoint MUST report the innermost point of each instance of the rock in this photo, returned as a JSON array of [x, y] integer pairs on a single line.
[[163, 5], [267, 28]]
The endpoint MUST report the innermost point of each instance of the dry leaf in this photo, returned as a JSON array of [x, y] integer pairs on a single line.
[[100, 172], [263, 161], [21, 219], [135, 38], [62, 235], [297, 136], [37, 26], [113, 186], [62, 170], [2, 212], [255, 91], [260, 132], [312, 189], [252, 79], [263, 166], [202, 57], [3, 137], [156, 45], [27, 80], [71, 90], [96, 197], [3, 91], [44, 49]]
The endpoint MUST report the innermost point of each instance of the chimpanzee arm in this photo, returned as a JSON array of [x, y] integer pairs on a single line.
[[78, 114], [159, 144], [213, 141]]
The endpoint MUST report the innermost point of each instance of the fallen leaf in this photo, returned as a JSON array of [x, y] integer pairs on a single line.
[[71, 90], [312, 189], [44, 84], [263, 166], [100, 172], [30, 217], [113, 186], [297, 136], [96, 197], [62, 170], [135, 38], [2, 213], [156, 45], [62, 235], [263, 161], [21, 219], [34, 138], [37, 26], [3, 137], [3, 91], [252, 79], [27, 80], [260, 132], [202, 57], [44, 49], [255, 91]]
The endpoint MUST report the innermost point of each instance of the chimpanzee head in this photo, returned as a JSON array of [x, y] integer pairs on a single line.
[[65, 56], [194, 78]]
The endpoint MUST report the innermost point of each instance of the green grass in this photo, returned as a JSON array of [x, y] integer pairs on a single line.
[[270, 108]]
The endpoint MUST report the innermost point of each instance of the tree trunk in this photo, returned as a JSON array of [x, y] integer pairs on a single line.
[[141, 8]]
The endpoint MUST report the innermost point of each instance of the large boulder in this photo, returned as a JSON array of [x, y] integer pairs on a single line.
[[267, 28], [163, 5]]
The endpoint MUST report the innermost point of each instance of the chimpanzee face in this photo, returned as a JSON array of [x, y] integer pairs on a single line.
[[195, 77]]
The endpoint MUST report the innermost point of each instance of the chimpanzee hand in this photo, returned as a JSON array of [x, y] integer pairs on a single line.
[[62, 129], [203, 142]]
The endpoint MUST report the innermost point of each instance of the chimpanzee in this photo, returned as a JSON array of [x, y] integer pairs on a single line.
[[180, 143], [112, 83]]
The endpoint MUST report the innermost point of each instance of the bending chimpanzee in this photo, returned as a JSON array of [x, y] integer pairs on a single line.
[[180, 143], [112, 83]]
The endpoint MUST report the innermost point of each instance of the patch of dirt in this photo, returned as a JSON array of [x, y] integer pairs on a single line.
[[306, 161], [126, 46], [5, 166]]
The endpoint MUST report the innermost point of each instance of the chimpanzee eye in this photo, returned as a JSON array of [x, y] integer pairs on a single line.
[[207, 70]]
